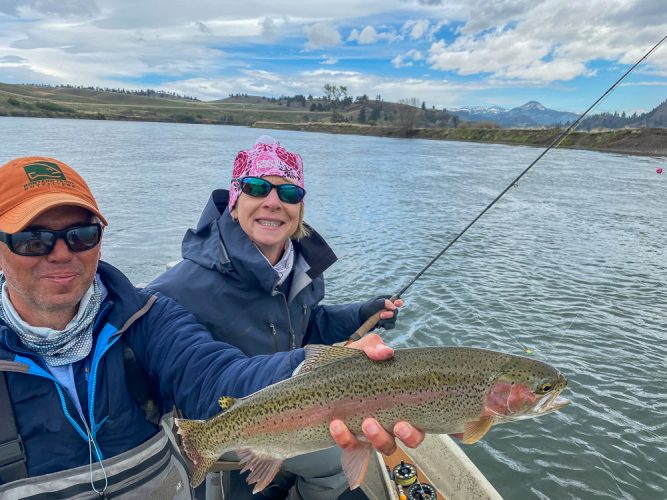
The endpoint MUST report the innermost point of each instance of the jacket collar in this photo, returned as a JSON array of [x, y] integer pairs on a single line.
[[219, 243], [123, 301]]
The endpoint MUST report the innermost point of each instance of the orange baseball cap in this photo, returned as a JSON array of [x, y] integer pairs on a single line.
[[32, 185]]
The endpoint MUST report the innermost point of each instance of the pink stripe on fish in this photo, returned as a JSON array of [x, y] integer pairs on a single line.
[[309, 417]]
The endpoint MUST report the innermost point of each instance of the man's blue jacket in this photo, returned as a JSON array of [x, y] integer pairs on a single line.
[[188, 367]]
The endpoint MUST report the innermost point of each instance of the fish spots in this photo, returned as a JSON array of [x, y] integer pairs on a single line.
[[355, 409], [437, 389]]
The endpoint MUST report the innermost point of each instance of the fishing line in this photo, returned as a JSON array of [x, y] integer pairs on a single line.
[[567, 329], [372, 321], [551, 146], [646, 259], [507, 332]]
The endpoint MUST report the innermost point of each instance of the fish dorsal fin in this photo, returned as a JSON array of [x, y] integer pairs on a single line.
[[319, 355], [226, 402], [263, 468], [475, 430], [355, 464]]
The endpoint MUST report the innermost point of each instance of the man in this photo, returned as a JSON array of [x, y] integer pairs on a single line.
[[67, 320]]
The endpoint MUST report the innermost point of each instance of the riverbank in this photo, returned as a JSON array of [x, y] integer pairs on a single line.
[[642, 141], [98, 104]]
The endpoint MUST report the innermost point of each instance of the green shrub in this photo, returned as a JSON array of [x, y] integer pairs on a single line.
[[52, 106]]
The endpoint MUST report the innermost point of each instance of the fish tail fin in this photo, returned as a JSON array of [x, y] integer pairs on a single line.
[[191, 433]]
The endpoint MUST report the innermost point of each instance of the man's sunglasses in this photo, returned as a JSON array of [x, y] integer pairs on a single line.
[[36, 242], [260, 188]]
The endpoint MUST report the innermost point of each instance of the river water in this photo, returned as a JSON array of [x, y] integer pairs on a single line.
[[571, 264]]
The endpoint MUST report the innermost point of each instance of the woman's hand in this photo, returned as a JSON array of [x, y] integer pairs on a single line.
[[389, 310], [377, 350]]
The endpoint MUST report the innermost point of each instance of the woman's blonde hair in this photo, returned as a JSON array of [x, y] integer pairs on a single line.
[[302, 231]]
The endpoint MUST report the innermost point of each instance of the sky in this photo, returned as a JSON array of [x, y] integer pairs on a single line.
[[446, 53]]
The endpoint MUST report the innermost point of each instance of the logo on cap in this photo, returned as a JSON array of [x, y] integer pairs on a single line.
[[44, 171]]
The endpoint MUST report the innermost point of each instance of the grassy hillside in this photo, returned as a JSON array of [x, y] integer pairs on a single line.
[[383, 118], [24, 100]]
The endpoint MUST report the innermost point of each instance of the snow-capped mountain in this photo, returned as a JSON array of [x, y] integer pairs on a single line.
[[531, 114]]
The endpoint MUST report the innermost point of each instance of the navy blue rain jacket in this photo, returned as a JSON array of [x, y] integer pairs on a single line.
[[230, 287], [190, 369]]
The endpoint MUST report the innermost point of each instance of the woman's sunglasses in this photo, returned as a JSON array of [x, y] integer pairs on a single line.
[[260, 188], [37, 242]]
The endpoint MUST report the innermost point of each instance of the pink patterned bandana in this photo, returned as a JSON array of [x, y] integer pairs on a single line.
[[266, 157]]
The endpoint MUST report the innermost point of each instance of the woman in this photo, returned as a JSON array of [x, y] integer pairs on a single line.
[[253, 274], [252, 269]]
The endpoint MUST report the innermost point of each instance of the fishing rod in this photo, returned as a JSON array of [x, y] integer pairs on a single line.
[[372, 321]]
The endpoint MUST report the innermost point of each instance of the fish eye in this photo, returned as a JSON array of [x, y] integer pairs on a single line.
[[545, 387]]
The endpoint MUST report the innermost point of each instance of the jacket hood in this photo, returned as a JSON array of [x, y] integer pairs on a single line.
[[219, 243], [203, 244]]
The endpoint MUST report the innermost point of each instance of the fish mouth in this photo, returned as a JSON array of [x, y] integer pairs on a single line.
[[549, 404]]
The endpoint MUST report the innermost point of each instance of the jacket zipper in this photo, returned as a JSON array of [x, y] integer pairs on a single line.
[[275, 336], [289, 323], [305, 319]]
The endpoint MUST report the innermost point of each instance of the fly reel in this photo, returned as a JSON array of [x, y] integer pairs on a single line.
[[405, 477], [404, 474], [422, 491]]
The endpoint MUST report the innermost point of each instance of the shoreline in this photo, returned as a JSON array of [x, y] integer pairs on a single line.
[[635, 142]]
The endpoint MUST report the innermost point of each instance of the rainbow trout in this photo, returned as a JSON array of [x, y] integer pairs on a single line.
[[443, 390]]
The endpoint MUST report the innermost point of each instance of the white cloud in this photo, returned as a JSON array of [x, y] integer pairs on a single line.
[[417, 29], [322, 35], [50, 8], [407, 59], [329, 60], [269, 29], [546, 40], [263, 75], [368, 36]]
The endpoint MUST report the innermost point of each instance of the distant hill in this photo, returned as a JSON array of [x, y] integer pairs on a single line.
[[238, 109], [146, 105], [530, 115], [656, 118], [535, 115]]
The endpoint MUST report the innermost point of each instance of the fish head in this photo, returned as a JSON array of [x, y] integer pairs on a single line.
[[524, 388]]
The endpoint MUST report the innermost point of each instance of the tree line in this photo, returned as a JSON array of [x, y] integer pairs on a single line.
[[656, 118], [140, 92]]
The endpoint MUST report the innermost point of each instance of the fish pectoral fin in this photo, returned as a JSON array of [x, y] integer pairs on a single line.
[[355, 464], [475, 430], [263, 468]]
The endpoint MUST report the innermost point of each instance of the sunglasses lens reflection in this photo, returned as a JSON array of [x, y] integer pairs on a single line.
[[41, 242], [84, 238], [260, 188], [30, 243]]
